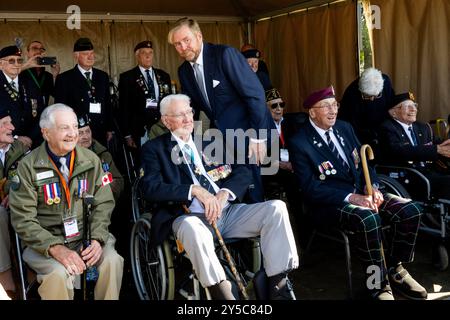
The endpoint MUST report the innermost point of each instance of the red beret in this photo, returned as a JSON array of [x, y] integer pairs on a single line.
[[317, 96]]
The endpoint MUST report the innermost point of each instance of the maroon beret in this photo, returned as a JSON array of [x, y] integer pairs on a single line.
[[319, 95]]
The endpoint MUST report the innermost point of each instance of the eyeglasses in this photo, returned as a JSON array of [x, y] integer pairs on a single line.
[[13, 61], [369, 97], [334, 105], [278, 104], [186, 114]]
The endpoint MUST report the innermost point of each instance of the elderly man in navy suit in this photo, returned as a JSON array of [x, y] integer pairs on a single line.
[[86, 90], [221, 83], [407, 142], [179, 172], [325, 156]]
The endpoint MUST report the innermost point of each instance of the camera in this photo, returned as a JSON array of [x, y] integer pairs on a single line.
[[46, 61]]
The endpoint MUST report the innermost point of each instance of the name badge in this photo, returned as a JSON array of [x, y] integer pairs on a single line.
[[95, 107], [284, 155], [71, 227], [151, 104], [44, 175]]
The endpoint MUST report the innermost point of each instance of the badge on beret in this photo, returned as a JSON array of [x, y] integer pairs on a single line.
[[411, 96]]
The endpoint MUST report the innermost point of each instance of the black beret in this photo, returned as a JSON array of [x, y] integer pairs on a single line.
[[399, 98], [83, 44], [252, 53], [4, 113], [143, 44], [10, 51], [83, 121]]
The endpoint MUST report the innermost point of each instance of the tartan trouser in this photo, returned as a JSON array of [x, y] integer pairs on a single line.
[[403, 215]]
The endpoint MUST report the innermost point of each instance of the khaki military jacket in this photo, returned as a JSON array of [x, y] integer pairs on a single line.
[[39, 224], [108, 165], [9, 169]]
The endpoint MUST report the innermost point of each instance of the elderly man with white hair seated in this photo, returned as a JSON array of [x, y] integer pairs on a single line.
[[365, 104], [47, 211]]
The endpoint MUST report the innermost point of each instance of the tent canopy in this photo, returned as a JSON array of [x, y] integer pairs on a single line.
[[245, 9]]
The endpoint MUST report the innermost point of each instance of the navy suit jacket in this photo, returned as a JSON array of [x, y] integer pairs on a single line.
[[132, 100], [238, 100], [398, 149], [307, 151], [26, 122], [166, 184], [71, 88]]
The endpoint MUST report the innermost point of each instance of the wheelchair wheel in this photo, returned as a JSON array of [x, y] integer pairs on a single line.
[[137, 200], [393, 186], [440, 257], [152, 267]]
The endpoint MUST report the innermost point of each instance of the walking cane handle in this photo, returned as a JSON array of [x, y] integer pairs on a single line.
[[369, 150]]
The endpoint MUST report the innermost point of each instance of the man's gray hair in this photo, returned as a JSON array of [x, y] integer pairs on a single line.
[[190, 23], [167, 101], [371, 82], [47, 119]]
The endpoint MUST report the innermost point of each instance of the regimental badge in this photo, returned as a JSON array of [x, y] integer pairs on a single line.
[[105, 167], [220, 172], [411, 96], [15, 182], [34, 107]]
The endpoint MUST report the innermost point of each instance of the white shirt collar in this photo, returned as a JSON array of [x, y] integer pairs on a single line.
[[8, 79], [84, 71], [3, 153], [143, 69], [404, 125], [199, 60], [320, 131]]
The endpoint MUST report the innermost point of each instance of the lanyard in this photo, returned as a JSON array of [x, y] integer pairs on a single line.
[[40, 83], [282, 137], [61, 178]]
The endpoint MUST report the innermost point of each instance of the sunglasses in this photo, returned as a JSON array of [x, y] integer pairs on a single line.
[[278, 104], [13, 61]]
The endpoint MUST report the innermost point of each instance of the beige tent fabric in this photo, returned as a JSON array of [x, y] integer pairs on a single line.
[[413, 48], [114, 41], [310, 50]]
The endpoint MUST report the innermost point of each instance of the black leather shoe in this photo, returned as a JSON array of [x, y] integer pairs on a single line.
[[403, 283], [281, 288]]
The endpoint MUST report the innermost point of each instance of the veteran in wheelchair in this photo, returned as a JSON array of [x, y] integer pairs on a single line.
[[420, 162], [325, 158], [196, 198]]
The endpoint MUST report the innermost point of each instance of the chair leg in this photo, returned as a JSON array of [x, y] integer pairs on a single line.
[[348, 263]]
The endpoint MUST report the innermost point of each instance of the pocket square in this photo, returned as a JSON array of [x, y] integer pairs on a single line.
[[215, 83]]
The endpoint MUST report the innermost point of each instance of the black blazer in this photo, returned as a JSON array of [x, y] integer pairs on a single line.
[[397, 148], [25, 110], [167, 184], [72, 89], [134, 116], [308, 151]]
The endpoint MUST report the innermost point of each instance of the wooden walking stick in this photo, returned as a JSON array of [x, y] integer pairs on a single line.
[[227, 256], [369, 188]]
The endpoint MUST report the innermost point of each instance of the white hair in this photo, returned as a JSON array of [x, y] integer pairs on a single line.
[[47, 119], [371, 82], [167, 101]]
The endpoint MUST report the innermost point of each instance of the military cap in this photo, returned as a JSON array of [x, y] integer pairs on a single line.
[[83, 44], [143, 44], [272, 94], [10, 51], [319, 95], [3, 113], [83, 121], [399, 98], [252, 53]]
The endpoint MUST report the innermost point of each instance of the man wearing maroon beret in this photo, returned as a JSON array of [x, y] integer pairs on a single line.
[[325, 157]]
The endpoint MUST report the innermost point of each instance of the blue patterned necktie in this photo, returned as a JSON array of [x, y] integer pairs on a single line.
[[335, 151], [204, 182], [151, 87], [413, 136]]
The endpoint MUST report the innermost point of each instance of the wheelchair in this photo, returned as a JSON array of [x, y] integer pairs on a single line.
[[410, 183], [164, 272]]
